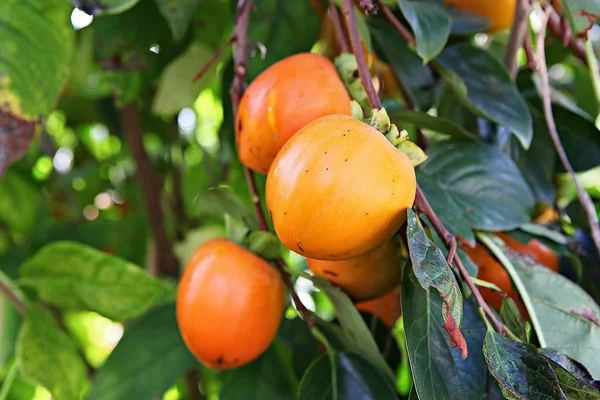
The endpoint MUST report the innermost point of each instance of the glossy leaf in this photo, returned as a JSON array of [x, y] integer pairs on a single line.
[[430, 25], [73, 276], [47, 356], [417, 78], [356, 333], [178, 14], [436, 124], [151, 355], [573, 387], [520, 370], [438, 370], [284, 28], [432, 271], [473, 186], [217, 202], [512, 318], [484, 85], [578, 135], [355, 379], [567, 315]]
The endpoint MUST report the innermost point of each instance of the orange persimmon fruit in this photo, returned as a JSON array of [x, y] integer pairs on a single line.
[[338, 189], [388, 307], [500, 13], [536, 249], [281, 100], [230, 304], [365, 277]]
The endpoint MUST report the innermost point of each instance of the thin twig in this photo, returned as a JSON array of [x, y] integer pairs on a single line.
[[213, 59], [363, 69], [260, 215], [338, 27], [421, 203], [10, 296], [584, 197], [529, 52], [410, 39], [150, 189], [517, 35], [192, 378], [237, 89]]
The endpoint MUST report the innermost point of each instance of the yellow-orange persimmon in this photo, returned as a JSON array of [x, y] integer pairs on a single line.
[[500, 13], [230, 304], [338, 189], [388, 308], [281, 100], [365, 277], [536, 249]]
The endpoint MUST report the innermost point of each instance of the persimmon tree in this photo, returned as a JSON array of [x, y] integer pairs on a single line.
[[422, 176]]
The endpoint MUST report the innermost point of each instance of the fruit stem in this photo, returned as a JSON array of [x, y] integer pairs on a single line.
[[237, 89]]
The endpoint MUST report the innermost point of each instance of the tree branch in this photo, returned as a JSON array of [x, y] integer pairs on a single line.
[[10, 296], [150, 189], [237, 89], [517, 35], [338, 27], [584, 197], [410, 39], [421, 203], [363, 69]]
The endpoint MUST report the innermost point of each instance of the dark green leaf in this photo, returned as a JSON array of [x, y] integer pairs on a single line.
[[512, 318], [484, 85], [474, 186], [297, 339], [520, 370], [538, 164], [432, 271], [436, 124], [178, 14], [430, 24], [356, 333], [578, 135], [48, 357], [416, 78], [438, 370], [573, 387], [572, 366], [213, 28], [284, 27], [568, 317], [463, 22], [148, 360], [356, 379], [73, 276]]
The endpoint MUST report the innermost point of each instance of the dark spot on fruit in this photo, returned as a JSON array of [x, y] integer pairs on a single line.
[[344, 134], [284, 213], [367, 214], [345, 160], [240, 125], [326, 271], [325, 152], [326, 169], [347, 130], [220, 360], [306, 171], [300, 247]]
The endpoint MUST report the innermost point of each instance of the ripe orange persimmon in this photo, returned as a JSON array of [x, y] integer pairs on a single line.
[[500, 13], [338, 189], [388, 308], [281, 100], [536, 249], [491, 271], [230, 303], [365, 277]]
